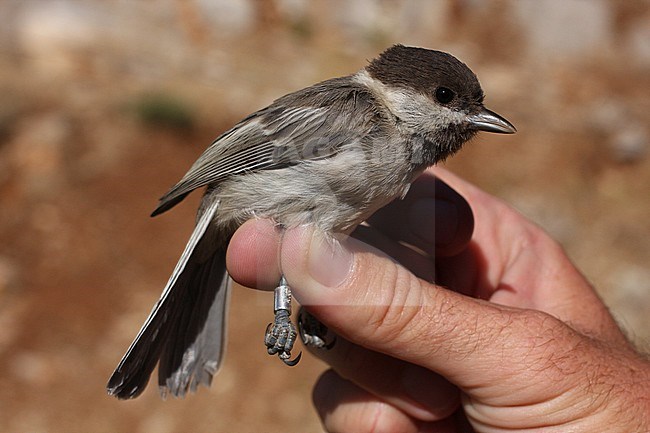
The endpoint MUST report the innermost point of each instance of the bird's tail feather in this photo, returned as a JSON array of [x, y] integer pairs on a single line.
[[185, 329], [196, 340]]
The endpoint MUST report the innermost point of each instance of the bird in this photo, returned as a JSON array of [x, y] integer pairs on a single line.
[[331, 155]]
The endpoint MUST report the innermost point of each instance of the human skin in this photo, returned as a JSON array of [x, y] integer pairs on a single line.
[[500, 332]]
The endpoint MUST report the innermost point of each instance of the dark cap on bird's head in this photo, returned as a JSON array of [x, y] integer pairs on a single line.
[[441, 77], [424, 70]]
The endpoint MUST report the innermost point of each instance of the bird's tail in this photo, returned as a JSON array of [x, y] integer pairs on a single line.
[[185, 331]]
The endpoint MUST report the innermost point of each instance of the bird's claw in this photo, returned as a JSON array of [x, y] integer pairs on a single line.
[[312, 332], [280, 337], [285, 357]]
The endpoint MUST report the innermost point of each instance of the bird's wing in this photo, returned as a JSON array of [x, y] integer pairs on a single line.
[[192, 314], [288, 131]]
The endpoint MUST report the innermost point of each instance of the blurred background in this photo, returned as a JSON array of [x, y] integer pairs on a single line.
[[105, 104]]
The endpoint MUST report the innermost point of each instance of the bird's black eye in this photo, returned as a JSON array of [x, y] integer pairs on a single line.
[[444, 95]]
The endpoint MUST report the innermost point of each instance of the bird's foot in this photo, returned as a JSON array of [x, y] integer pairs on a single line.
[[312, 332], [280, 337]]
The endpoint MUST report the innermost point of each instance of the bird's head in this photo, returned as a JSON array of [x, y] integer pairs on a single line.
[[432, 95]]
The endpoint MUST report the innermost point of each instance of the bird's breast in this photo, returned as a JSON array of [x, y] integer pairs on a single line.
[[335, 193]]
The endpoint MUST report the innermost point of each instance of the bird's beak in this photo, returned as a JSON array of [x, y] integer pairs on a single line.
[[489, 121]]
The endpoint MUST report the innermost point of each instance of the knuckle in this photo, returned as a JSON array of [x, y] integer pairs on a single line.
[[375, 417], [548, 344], [391, 318]]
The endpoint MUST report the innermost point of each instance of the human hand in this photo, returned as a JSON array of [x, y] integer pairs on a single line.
[[516, 337]]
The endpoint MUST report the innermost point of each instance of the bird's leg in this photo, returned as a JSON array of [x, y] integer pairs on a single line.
[[312, 332], [281, 334]]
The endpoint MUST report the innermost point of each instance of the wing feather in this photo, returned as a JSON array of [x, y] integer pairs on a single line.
[[300, 126]]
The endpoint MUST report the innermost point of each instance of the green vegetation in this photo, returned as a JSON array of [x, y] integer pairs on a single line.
[[163, 110]]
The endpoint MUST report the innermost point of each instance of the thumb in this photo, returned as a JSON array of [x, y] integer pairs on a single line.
[[366, 297]]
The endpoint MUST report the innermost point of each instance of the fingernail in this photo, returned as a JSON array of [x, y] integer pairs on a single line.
[[329, 261], [434, 221]]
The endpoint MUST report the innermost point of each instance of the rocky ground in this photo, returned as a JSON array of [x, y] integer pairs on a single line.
[[106, 104]]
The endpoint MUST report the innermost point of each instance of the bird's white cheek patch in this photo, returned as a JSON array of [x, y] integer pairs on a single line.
[[420, 113], [417, 111]]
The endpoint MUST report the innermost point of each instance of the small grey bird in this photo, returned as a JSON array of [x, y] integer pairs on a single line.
[[330, 154]]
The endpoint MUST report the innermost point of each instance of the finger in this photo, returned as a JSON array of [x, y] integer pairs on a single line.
[[416, 391], [252, 256], [369, 299], [432, 216], [421, 264], [517, 264], [344, 407]]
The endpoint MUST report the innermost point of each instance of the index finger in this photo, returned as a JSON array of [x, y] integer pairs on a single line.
[[433, 217], [515, 263]]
